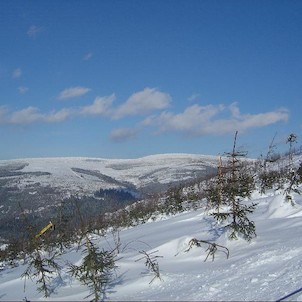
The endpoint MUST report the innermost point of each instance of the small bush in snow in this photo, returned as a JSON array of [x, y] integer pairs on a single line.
[[96, 270], [98, 265], [212, 248], [42, 270], [151, 263]]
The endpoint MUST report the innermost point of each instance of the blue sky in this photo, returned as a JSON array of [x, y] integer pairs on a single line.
[[124, 79]]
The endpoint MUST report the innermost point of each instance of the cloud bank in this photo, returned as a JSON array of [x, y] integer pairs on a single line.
[[206, 120], [150, 104]]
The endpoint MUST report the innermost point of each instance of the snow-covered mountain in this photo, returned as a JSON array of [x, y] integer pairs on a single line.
[[86, 175], [39, 184]]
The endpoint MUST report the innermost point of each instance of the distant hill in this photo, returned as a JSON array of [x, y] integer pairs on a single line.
[[37, 185]]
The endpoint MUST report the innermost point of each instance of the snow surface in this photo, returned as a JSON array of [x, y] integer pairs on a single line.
[[266, 269]]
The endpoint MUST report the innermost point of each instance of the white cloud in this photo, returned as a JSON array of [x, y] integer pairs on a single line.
[[59, 116], [87, 56], [33, 31], [26, 116], [206, 120], [194, 120], [194, 97], [143, 102], [31, 115], [188, 121], [23, 89], [100, 106], [17, 73], [73, 92], [139, 103], [234, 109], [123, 134]]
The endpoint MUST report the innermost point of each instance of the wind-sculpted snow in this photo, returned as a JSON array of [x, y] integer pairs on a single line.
[[267, 268]]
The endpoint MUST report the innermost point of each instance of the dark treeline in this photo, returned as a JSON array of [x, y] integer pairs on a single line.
[[115, 195]]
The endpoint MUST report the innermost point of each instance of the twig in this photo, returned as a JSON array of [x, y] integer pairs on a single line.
[[212, 247], [151, 263]]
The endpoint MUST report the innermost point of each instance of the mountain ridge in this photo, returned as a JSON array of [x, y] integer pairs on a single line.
[[38, 185], [161, 168]]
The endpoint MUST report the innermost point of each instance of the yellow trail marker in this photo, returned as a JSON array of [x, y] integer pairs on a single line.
[[49, 226]]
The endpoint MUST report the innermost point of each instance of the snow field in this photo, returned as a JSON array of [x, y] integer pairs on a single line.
[[266, 269]]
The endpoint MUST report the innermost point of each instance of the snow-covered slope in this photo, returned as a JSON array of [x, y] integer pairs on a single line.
[[266, 269]]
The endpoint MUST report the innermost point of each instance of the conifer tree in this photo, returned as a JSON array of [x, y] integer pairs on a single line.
[[174, 199], [98, 265], [229, 194], [270, 175], [293, 174], [96, 270], [41, 259]]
